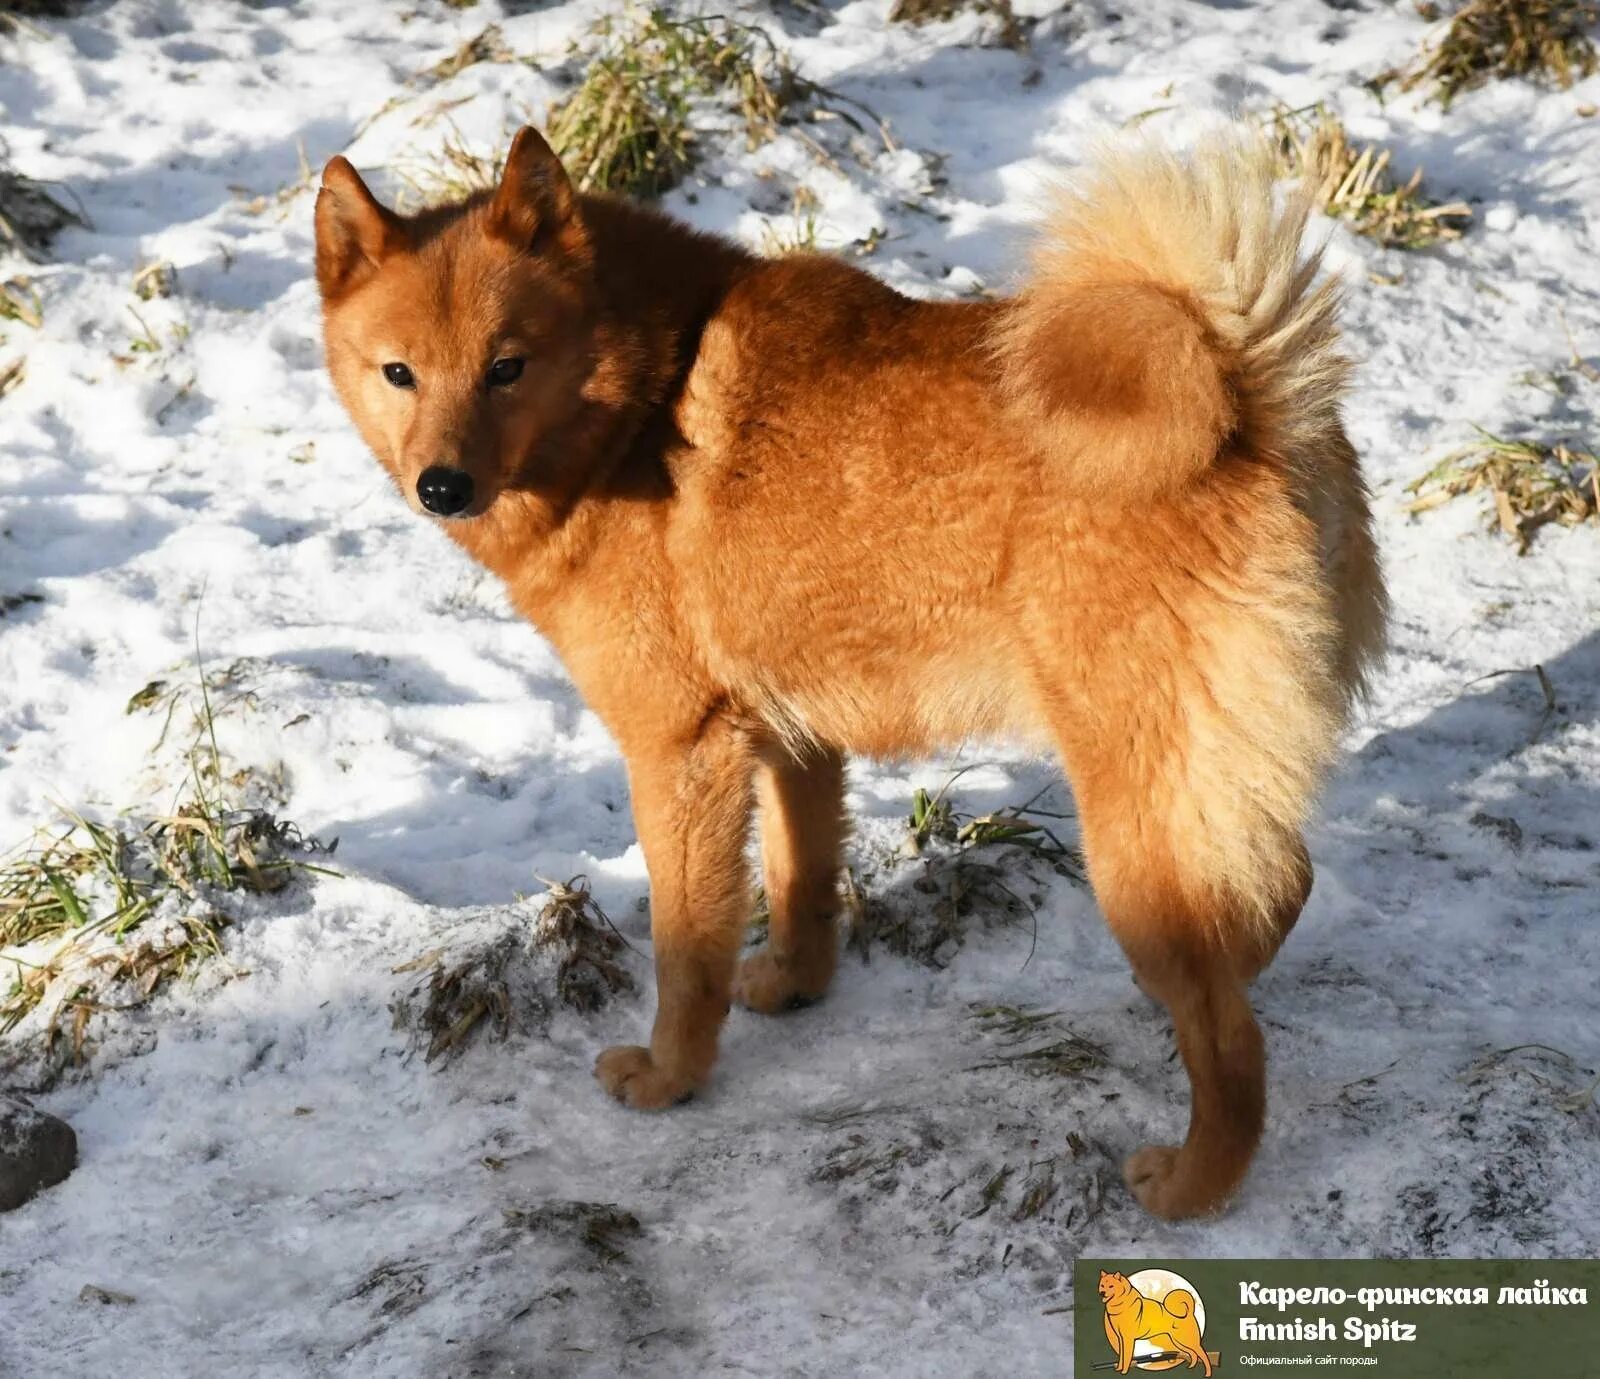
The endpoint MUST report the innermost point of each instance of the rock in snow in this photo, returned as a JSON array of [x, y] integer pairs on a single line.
[[36, 1151]]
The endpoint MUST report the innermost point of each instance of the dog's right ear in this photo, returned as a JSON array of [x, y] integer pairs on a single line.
[[354, 231]]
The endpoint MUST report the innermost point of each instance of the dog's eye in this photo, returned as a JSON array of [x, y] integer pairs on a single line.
[[399, 375], [504, 371]]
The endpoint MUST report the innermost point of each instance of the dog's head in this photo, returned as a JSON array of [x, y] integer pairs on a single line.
[[1113, 1286], [457, 337]]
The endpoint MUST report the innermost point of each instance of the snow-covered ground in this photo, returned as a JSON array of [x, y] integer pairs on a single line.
[[284, 1187]]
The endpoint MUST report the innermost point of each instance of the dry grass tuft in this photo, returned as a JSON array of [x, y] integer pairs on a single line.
[[499, 984], [955, 892], [935, 820], [878, 1166], [1533, 483], [797, 232], [1354, 183], [20, 301], [488, 46], [627, 126], [588, 973], [603, 1229], [926, 914], [1008, 31], [1068, 1054], [29, 216], [1546, 41], [100, 916], [1533, 1061], [158, 279], [461, 996], [451, 174], [632, 125], [281, 200]]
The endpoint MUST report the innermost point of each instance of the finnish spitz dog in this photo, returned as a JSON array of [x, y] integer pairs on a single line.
[[771, 512]]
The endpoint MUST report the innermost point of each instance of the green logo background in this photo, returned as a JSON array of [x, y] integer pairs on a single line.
[[1462, 1341]]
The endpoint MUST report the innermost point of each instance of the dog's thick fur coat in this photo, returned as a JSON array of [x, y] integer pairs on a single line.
[[773, 512]]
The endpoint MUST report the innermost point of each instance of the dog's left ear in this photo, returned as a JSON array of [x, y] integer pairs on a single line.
[[535, 198]]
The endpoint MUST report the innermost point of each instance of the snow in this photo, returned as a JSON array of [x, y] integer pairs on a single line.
[[285, 1187]]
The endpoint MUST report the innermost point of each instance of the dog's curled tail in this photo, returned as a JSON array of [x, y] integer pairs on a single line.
[[1169, 314], [1179, 1302]]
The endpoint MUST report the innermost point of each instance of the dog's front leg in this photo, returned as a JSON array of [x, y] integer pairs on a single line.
[[692, 806]]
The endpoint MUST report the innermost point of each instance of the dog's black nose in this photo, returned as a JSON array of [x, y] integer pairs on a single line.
[[444, 490]]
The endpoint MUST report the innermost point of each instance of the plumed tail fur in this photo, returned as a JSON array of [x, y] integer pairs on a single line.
[[1169, 313], [1170, 321]]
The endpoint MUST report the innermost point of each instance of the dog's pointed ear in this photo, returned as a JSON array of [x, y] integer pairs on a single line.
[[535, 196], [355, 232]]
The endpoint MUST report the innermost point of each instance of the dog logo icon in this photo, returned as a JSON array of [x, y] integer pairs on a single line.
[[1154, 1320]]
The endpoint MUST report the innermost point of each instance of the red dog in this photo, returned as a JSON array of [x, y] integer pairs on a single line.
[[770, 512]]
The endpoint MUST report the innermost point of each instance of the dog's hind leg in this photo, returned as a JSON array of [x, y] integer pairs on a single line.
[[1195, 929], [1191, 810], [1194, 694], [801, 801], [1182, 962], [1223, 1053], [1253, 959]]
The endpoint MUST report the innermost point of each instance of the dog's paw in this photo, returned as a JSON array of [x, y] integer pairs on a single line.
[[631, 1075], [1149, 1173], [769, 984], [1161, 1181]]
